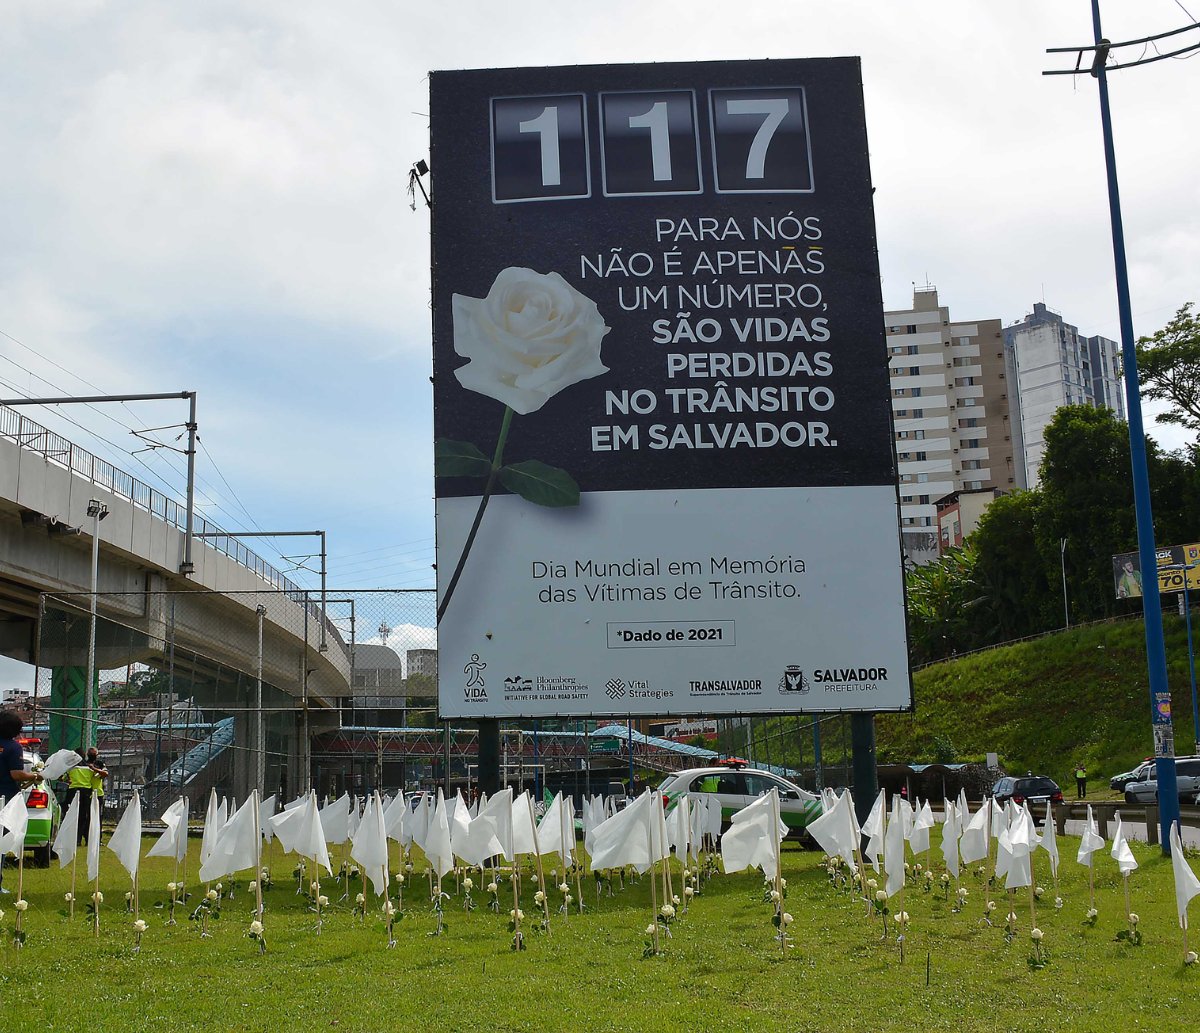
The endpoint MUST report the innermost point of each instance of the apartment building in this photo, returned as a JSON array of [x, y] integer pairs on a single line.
[[1051, 365], [949, 386]]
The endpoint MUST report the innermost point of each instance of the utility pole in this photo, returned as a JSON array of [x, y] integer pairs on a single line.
[[324, 645], [1156, 656]]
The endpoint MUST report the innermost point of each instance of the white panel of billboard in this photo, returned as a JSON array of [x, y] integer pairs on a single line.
[[665, 474]]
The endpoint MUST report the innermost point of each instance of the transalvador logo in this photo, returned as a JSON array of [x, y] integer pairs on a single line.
[[474, 690], [615, 688], [793, 680]]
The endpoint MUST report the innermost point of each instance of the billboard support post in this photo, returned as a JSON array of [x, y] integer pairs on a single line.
[[866, 776]]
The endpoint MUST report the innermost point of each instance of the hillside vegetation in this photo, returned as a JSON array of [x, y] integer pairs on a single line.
[[1045, 704]]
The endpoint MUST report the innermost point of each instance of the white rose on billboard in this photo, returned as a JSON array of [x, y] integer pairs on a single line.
[[533, 335]]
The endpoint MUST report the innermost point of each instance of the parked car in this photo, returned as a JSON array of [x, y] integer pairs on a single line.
[[1187, 783], [737, 787], [1035, 790], [42, 806], [1139, 774]]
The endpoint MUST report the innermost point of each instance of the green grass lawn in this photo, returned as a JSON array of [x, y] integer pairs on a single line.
[[722, 970]]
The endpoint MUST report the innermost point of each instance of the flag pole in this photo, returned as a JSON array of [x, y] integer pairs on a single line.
[[20, 887], [778, 867], [662, 828], [537, 861], [258, 842], [74, 859], [653, 890]]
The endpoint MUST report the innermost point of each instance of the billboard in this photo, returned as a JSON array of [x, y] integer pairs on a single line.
[[1127, 571], [663, 440]]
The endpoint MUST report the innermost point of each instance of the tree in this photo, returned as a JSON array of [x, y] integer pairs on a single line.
[[1010, 570], [1086, 498], [1169, 368], [943, 600]]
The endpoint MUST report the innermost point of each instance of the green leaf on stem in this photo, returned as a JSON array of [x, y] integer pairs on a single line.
[[459, 459], [540, 484]]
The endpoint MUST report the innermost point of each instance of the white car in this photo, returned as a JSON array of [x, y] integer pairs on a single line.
[[736, 787]]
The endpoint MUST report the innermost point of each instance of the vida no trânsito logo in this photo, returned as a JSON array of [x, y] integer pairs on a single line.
[[475, 690]]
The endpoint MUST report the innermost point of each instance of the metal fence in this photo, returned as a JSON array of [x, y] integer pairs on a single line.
[[189, 697]]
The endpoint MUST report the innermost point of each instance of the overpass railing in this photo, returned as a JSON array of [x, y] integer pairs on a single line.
[[54, 448]]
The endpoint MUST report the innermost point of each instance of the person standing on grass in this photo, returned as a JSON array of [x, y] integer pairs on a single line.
[[12, 766], [1081, 780], [79, 783]]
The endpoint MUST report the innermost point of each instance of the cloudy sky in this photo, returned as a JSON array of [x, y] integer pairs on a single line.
[[212, 197]]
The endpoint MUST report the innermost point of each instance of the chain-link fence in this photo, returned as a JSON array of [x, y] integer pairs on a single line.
[[199, 690]]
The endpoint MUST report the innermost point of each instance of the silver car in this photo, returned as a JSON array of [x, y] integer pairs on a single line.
[[1187, 779]]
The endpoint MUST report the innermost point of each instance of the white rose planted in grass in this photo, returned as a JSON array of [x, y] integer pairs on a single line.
[[533, 335]]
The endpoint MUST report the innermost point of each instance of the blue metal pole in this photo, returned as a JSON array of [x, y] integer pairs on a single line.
[[1156, 655]]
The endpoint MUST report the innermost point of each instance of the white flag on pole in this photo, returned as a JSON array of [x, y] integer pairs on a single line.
[[1090, 841], [624, 838], [15, 818], [1120, 850], [126, 841], [335, 820], [437, 839], [266, 811], [212, 827], [872, 828], [893, 848], [93, 840], [299, 830], [393, 817], [918, 838], [490, 832], [750, 841], [460, 821], [973, 845], [1050, 839], [950, 834], [1186, 883], [66, 842], [237, 846], [60, 762], [173, 842], [369, 846], [834, 830]]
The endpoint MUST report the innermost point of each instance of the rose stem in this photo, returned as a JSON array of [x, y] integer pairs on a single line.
[[497, 459]]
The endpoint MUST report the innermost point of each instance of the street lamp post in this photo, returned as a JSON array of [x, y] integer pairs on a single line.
[[97, 510]]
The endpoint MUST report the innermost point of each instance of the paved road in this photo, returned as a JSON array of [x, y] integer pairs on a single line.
[[1136, 830]]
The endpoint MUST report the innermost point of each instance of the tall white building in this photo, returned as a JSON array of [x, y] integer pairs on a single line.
[[950, 403], [1051, 365]]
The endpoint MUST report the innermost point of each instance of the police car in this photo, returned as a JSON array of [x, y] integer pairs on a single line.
[[736, 786], [42, 806]]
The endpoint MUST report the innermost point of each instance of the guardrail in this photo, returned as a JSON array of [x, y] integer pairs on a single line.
[[56, 449]]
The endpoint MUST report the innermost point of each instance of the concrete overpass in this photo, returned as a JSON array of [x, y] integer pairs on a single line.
[[150, 613]]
